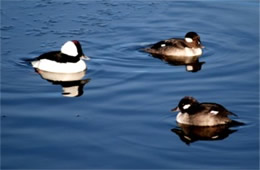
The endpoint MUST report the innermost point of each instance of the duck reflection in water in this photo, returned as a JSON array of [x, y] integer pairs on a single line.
[[189, 134], [72, 83], [192, 64]]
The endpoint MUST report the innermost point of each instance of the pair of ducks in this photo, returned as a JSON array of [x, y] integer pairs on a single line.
[[70, 60]]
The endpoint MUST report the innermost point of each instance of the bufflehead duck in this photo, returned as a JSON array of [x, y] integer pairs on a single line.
[[190, 46], [201, 114], [67, 60]]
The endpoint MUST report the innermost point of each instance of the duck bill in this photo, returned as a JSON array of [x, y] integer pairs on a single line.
[[84, 57], [176, 109]]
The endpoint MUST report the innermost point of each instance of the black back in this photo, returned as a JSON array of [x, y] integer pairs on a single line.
[[59, 57]]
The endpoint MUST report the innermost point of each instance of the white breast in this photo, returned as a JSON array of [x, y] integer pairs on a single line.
[[53, 66], [192, 51], [183, 118]]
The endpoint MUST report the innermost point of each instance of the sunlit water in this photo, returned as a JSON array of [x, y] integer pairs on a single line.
[[123, 118]]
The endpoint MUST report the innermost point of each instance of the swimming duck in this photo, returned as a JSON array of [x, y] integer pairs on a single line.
[[190, 46], [67, 60], [201, 114]]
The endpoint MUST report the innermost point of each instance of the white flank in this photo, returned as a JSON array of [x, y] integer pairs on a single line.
[[186, 106], [214, 112], [69, 48], [189, 40], [53, 66]]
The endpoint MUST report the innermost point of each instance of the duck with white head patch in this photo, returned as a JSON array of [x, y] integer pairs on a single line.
[[201, 114], [68, 60], [190, 46]]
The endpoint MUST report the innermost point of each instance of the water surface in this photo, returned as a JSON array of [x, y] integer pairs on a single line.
[[123, 118]]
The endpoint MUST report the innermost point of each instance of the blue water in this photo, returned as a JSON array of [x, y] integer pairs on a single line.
[[123, 118]]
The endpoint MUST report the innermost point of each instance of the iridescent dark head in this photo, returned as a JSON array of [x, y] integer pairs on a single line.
[[186, 104]]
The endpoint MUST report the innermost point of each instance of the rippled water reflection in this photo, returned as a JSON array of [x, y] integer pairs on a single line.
[[123, 118]]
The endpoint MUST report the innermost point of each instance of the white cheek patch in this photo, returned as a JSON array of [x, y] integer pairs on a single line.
[[163, 45], [189, 40], [214, 112], [69, 48], [186, 106]]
